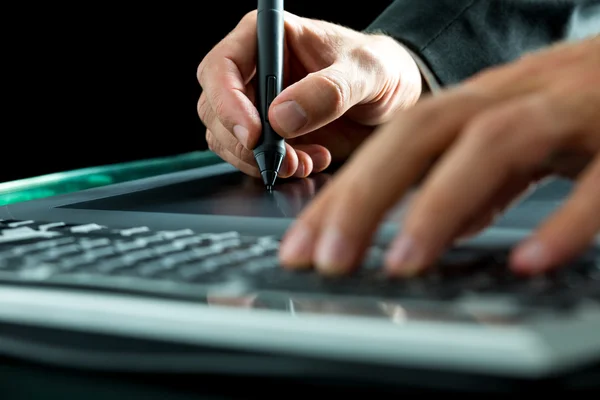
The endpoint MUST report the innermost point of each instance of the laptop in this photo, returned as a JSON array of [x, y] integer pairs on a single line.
[[190, 259]]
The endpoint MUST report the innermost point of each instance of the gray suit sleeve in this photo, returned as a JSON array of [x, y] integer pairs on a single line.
[[454, 39]]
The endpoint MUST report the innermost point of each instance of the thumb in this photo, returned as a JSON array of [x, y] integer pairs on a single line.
[[318, 99]]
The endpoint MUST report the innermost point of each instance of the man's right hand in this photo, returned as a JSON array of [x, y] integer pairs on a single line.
[[339, 85]]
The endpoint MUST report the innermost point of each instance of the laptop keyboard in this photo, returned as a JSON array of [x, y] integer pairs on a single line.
[[184, 263]]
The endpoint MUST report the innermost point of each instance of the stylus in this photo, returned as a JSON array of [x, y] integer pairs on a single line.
[[270, 150]]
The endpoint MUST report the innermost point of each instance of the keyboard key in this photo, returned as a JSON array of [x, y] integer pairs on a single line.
[[135, 231], [24, 232], [87, 228]]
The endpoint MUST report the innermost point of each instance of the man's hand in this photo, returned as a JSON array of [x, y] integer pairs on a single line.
[[339, 85], [479, 146]]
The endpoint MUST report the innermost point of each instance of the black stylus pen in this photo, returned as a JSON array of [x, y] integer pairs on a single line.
[[270, 150]]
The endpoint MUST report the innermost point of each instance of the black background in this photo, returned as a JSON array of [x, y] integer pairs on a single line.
[[96, 83]]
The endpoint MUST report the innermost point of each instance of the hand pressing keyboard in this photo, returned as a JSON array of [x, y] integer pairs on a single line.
[[184, 263]]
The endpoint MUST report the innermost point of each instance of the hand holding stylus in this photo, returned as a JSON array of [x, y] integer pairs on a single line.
[[339, 84]]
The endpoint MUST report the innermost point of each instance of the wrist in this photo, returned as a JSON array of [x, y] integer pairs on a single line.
[[411, 72], [404, 76], [429, 83]]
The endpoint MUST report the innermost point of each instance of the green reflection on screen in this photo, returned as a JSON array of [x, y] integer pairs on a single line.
[[88, 178]]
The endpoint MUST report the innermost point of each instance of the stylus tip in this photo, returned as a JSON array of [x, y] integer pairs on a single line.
[[269, 178], [269, 188]]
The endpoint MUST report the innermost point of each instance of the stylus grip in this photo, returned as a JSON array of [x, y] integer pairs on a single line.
[[270, 39]]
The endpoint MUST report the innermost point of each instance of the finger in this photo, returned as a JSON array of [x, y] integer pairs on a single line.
[[566, 233], [216, 147], [226, 139], [223, 75], [305, 164], [335, 230], [298, 244], [206, 112], [318, 99], [312, 158], [223, 141], [245, 164], [341, 138], [506, 139], [290, 163]]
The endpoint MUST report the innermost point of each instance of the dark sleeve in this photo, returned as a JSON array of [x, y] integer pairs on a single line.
[[454, 39]]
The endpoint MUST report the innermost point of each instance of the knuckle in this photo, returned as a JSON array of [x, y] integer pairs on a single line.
[[211, 142], [367, 57], [238, 150], [339, 90], [249, 17], [495, 125], [218, 105], [489, 127], [330, 36], [202, 69], [203, 109], [372, 55]]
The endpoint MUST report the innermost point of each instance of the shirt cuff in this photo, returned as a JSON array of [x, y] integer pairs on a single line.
[[430, 83]]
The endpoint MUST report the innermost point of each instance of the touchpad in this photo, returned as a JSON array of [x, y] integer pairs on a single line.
[[231, 194], [236, 194]]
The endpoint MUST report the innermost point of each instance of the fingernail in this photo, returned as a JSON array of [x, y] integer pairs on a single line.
[[296, 248], [241, 134], [334, 254], [300, 170], [532, 256], [290, 116], [403, 257]]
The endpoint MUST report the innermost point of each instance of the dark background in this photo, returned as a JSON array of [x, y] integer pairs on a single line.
[[103, 83]]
